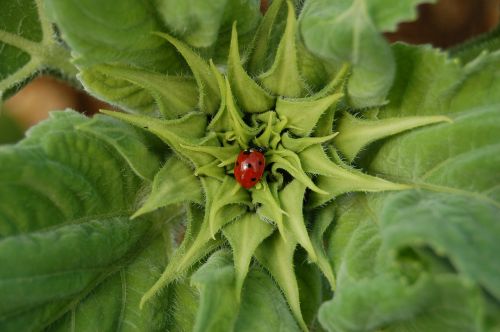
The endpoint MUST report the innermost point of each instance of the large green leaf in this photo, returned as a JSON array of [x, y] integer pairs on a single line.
[[120, 36], [64, 217], [114, 304], [461, 228], [26, 45], [113, 32], [459, 157], [207, 24], [349, 31], [389, 274], [424, 260]]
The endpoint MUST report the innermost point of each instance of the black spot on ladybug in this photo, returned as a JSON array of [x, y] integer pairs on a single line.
[[237, 163], [253, 179], [260, 162], [249, 165]]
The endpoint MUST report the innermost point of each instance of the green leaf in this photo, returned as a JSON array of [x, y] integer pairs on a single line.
[[425, 257], [114, 33], [345, 31], [174, 183], [350, 31], [176, 133], [302, 116], [255, 231], [283, 78], [463, 229], [310, 282], [291, 198], [339, 179], [58, 267], [196, 245], [215, 281], [322, 221], [262, 298], [251, 97], [387, 14], [377, 288], [430, 83], [64, 221], [276, 255], [133, 145], [446, 158], [114, 304], [202, 24], [153, 93], [264, 38], [26, 46], [209, 97], [356, 133]]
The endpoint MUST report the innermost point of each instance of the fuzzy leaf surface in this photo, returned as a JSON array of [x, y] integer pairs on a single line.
[[407, 261], [349, 31], [206, 24], [64, 217]]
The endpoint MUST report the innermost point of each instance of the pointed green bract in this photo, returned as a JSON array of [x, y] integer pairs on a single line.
[[254, 231], [270, 209], [300, 144], [323, 220], [175, 183], [277, 257], [263, 37], [264, 140], [207, 84], [174, 96], [196, 245], [251, 97], [222, 153], [228, 193], [283, 78], [339, 180], [357, 133], [221, 121], [175, 133], [293, 168], [242, 131], [291, 198], [303, 116]]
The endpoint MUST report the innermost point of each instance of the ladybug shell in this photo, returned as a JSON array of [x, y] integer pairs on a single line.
[[249, 167]]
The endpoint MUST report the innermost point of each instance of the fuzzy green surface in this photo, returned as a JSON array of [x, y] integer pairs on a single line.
[[380, 219]]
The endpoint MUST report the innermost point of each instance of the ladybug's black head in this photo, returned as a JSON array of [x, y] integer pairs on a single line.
[[255, 148]]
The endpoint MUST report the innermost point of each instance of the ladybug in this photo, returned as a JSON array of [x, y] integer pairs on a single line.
[[249, 167]]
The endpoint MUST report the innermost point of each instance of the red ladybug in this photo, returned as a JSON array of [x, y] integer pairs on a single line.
[[249, 167]]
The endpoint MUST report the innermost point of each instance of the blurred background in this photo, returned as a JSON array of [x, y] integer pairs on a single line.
[[444, 24]]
